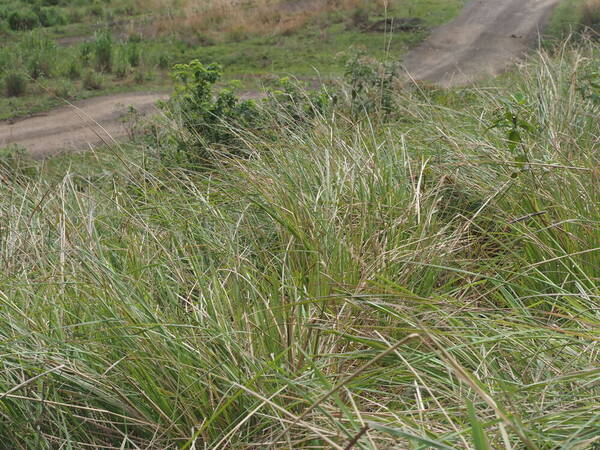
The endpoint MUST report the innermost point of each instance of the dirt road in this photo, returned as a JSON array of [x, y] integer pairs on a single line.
[[87, 124], [484, 40]]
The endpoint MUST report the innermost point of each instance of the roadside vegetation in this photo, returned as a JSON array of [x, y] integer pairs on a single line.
[[85, 49], [362, 266], [574, 18]]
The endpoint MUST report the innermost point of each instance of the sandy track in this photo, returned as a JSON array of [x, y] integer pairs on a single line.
[[484, 40], [85, 125]]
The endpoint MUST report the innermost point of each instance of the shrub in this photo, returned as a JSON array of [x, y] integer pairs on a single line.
[[140, 77], [371, 84], [16, 164], [51, 16], [121, 65], [63, 89], [42, 55], [92, 80], [15, 84], [212, 121], [164, 62], [86, 51], [23, 20], [96, 9]]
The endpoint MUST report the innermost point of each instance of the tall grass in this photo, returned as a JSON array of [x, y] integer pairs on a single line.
[[365, 284], [243, 18]]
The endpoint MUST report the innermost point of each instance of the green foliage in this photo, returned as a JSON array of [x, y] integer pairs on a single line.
[[514, 120], [372, 84], [16, 166], [15, 84], [212, 121], [133, 55], [51, 16], [590, 17], [92, 80], [21, 20], [73, 71], [589, 86], [357, 283], [41, 57], [103, 47]]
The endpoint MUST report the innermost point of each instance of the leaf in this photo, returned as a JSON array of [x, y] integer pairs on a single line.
[[522, 158], [479, 439], [514, 138], [396, 432]]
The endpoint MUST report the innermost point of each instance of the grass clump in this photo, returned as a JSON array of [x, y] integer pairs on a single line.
[[396, 279], [92, 80], [23, 20], [15, 84]]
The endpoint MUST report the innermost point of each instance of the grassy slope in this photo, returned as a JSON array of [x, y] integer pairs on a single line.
[[316, 50], [273, 302]]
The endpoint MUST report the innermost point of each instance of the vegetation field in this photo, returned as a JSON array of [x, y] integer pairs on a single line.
[[357, 267], [54, 50], [362, 264]]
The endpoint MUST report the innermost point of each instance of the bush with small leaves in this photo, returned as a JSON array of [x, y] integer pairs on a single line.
[[73, 71], [212, 121], [51, 16]]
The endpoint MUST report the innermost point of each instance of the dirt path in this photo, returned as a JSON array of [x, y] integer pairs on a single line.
[[91, 122], [484, 40]]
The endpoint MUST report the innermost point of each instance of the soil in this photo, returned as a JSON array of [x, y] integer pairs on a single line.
[[487, 37], [77, 127], [484, 40]]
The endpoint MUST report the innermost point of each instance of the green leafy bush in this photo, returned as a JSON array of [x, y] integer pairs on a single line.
[[134, 55], [51, 16], [372, 84], [211, 122], [16, 165], [73, 71]]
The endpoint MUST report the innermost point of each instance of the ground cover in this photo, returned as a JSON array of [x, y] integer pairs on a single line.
[[69, 57]]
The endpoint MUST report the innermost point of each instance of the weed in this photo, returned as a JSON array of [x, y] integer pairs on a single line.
[[92, 80], [73, 71], [22, 20], [15, 84], [103, 51]]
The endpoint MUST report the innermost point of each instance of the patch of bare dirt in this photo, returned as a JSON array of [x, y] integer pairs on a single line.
[[487, 37], [83, 125]]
